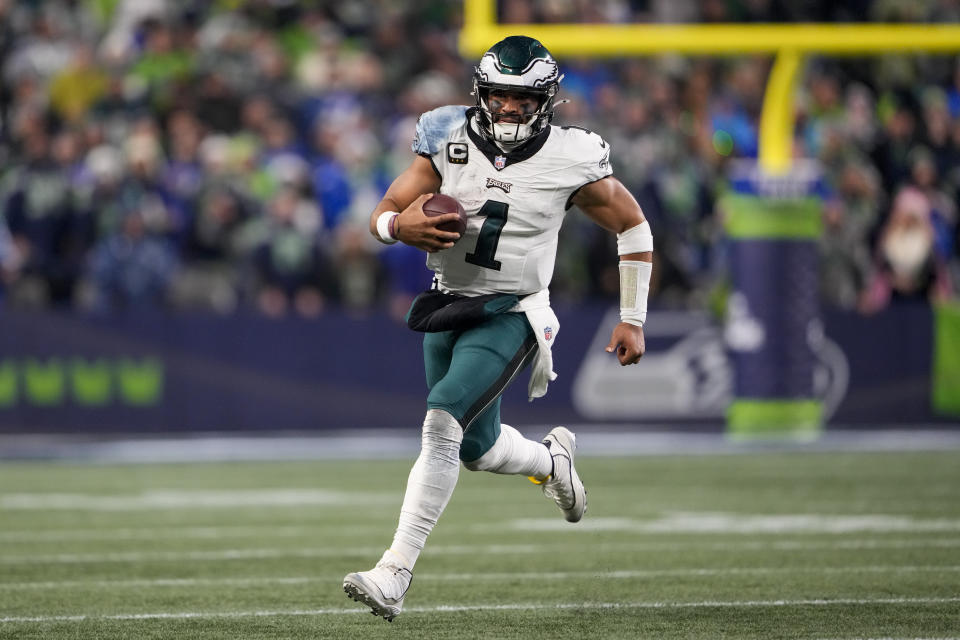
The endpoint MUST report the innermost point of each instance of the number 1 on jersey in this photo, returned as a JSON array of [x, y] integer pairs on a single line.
[[496, 216]]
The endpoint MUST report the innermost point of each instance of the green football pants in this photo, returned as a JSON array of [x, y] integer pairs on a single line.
[[468, 370]]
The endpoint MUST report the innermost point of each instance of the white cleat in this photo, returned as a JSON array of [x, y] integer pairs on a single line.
[[563, 485], [382, 588]]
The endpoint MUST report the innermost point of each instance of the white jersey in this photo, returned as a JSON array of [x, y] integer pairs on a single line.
[[515, 202]]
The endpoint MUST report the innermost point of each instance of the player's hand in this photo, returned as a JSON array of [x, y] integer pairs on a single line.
[[418, 230], [627, 341]]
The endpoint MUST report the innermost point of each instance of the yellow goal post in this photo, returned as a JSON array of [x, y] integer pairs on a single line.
[[789, 43]]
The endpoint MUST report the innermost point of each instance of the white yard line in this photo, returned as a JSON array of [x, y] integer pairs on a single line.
[[623, 440], [192, 499], [533, 606], [746, 523], [183, 533], [696, 522], [492, 576], [526, 549]]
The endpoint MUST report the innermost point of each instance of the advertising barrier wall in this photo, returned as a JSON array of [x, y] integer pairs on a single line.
[[63, 373]]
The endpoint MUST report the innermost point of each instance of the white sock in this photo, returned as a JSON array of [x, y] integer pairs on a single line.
[[430, 484], [513, 454]]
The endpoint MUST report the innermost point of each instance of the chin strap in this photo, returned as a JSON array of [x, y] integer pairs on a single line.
[[515, 128]]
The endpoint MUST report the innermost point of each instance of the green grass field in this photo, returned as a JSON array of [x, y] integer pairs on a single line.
[[774, 545]]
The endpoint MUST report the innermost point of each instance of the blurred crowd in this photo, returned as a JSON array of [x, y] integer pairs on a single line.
[[226, 155]]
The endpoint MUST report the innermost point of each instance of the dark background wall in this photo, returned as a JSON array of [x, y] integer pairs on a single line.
[[62, 372]]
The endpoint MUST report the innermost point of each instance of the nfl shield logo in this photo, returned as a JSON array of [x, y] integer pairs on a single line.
[[547, 333], [500, 162]]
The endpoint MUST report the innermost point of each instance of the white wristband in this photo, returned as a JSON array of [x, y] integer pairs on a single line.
[[634, 287], [384, 223], [635, 239]]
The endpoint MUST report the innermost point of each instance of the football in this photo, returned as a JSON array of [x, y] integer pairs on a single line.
[[440, 204]]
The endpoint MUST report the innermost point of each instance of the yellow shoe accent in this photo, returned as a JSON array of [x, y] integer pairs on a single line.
[[403, 558], [536, 481]]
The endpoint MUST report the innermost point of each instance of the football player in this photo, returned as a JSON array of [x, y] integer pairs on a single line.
[[488, 314]]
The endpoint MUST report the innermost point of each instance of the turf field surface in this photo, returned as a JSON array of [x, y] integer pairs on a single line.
[[785, 545]]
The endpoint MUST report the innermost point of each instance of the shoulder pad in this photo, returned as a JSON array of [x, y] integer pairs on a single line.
[[588, 147], [434, 127]]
